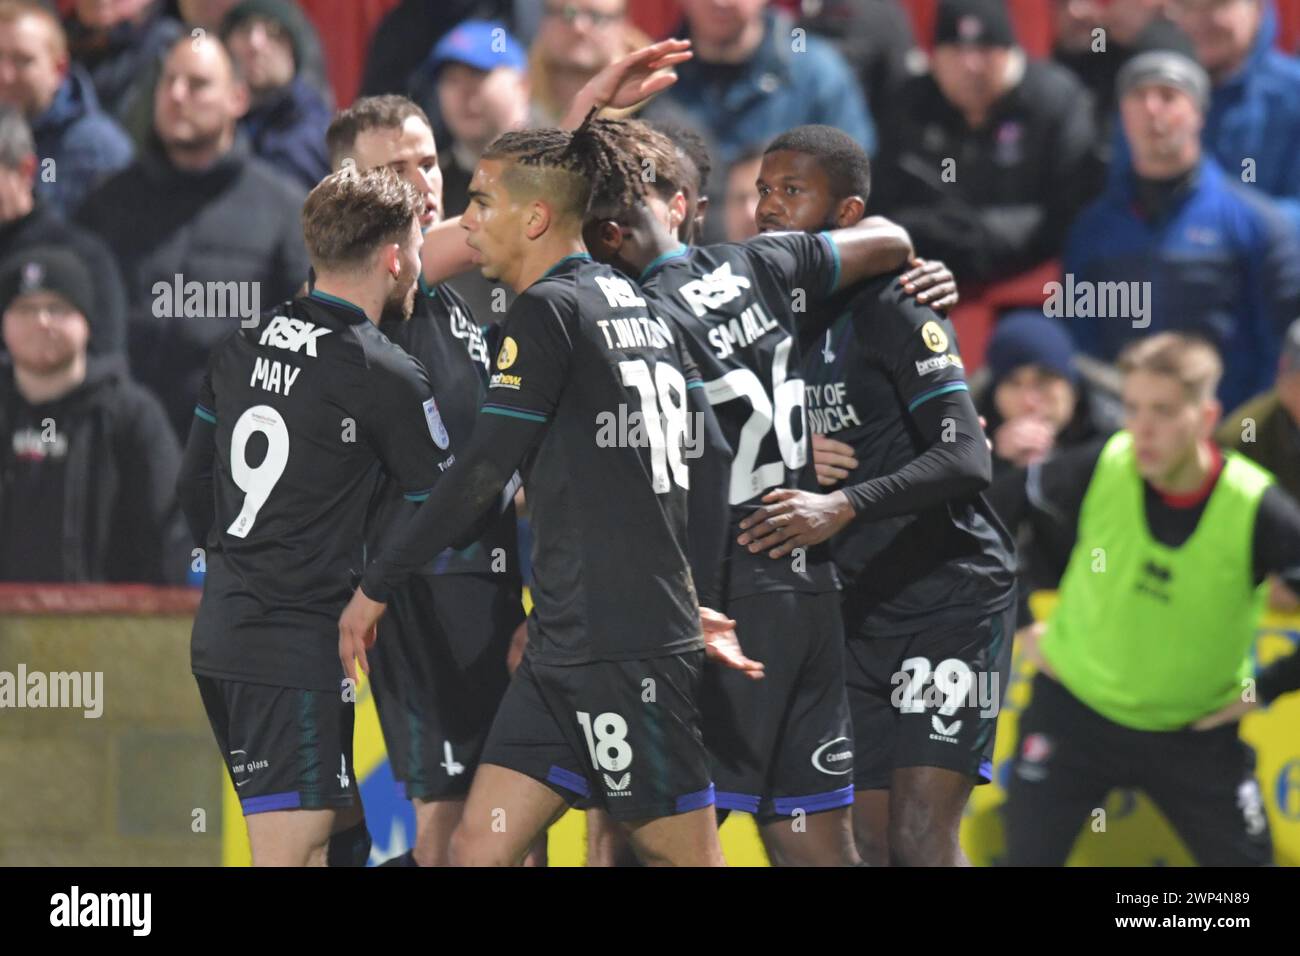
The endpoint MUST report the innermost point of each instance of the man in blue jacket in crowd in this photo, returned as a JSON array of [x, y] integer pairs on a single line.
[[57, 98], [1252, 126], [753, 76], [1175, 243]]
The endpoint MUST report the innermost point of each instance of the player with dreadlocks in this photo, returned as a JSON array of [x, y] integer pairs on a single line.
[[782, 748], [604, 705]]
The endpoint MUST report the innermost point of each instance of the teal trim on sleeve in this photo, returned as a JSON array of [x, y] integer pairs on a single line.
[[691, 385], [936, 392], [204, 414], [513, 413], [835, 254], [416, 495]]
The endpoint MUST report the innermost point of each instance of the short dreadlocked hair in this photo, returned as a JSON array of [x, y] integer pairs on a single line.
[[568, 168], [653, 157], [845, 163]]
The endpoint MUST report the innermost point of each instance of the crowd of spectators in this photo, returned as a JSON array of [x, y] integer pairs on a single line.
[[152, 147]]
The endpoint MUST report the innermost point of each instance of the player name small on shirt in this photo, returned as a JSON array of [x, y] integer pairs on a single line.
[[745, 329], [274, 376]]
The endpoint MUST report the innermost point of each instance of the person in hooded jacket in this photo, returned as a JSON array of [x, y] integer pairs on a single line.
[[77, 142], [286, 119], [88, 461], [27, 221]]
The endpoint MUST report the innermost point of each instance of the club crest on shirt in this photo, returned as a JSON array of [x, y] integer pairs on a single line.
[[437, 430]]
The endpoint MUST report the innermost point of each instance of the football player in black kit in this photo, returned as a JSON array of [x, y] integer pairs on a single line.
[[439, 670], [605, 703], [782, 748], [928, 603], [294, 420]]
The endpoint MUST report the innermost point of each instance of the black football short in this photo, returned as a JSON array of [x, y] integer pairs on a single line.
[[620, 735], [782, 744], [438, 673], [929, 699], [285, 748], [1069, 757]]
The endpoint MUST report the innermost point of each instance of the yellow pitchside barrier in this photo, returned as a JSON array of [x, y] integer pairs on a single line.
[[1135, 833]]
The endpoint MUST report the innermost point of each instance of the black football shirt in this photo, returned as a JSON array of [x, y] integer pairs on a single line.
[[442, 335], [308, 406], [583, 353], [736, 305], [885, 356]]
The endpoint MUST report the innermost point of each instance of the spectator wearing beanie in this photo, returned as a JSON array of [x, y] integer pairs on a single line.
[[208, 15], [286, 119], [27, 221], [1036, 401], [1193, 250], [196, 208], [1037, 405], [1128, 29], [77, 142], [88, 463], [985, 158]]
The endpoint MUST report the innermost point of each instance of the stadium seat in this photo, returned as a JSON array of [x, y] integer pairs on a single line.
[[978, 312]]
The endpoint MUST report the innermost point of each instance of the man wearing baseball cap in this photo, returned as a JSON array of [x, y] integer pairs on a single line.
[[88, 461], [1192, 249], [984, 158], [476, 80]]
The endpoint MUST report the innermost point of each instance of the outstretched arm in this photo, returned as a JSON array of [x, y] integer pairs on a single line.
[[623, 84], [445, 254], [470, 488], [628, 82], [873, 247]]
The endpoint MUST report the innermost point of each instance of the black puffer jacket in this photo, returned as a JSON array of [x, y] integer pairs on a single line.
[[117, 517]]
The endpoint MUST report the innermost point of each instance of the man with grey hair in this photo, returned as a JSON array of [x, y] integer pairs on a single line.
[[204, 232], [26, 221], [1175, 244]]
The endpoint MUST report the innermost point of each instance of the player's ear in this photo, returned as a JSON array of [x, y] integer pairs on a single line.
[[538, 219], [391, 257], [676, 211], [1211, 412], [850, 211]]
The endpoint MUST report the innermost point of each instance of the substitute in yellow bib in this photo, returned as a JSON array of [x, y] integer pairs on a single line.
[[1158, 607]]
